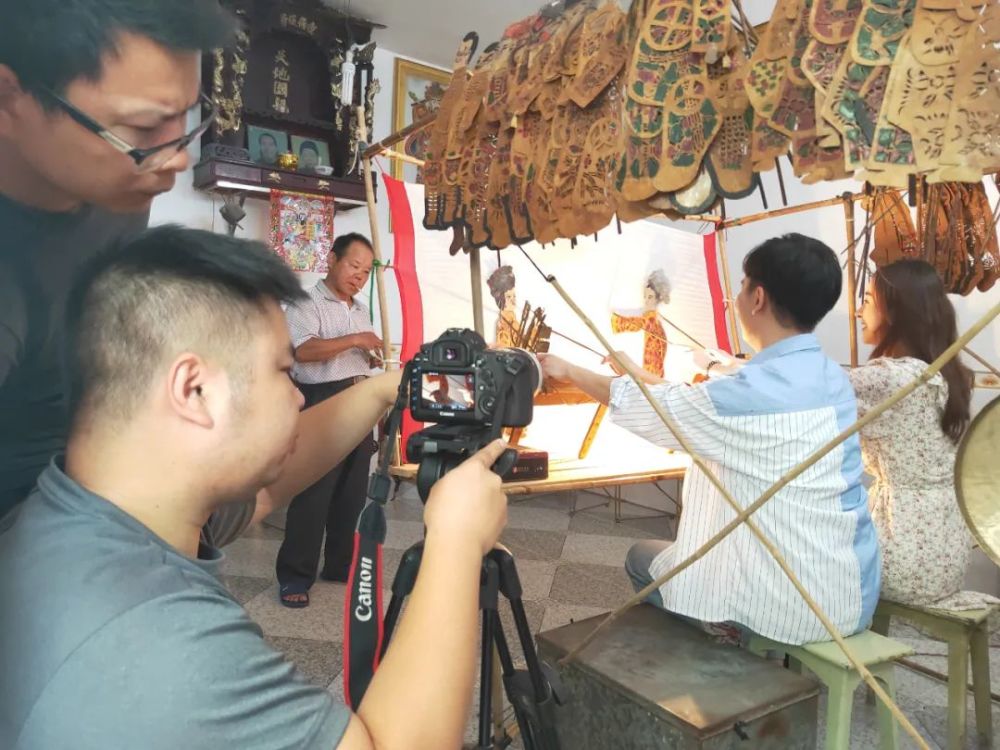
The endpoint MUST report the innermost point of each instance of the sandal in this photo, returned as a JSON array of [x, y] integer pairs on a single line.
[[293, 596]]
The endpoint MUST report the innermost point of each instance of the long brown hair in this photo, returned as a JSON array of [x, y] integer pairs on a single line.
[[920, 322]]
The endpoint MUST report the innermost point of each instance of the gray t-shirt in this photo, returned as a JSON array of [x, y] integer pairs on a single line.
[[113, 639], [41, 256]]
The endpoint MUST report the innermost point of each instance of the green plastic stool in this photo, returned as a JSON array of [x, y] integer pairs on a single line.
[[965, 633], [829, 664]]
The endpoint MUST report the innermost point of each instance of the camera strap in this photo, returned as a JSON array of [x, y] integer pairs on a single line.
[[363, 625]]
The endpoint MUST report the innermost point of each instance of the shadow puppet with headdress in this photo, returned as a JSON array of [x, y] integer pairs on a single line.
[[656, 292], [501, 283]]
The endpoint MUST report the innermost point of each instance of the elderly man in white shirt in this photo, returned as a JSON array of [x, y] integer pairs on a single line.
[[751, 425], [332, 335]]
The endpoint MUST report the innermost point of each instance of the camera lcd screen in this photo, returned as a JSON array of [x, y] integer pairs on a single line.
[[449, 392]]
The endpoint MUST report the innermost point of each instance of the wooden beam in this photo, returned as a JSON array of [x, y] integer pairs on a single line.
[[383, 305], [852, 262], [740, 221], [720, 246], [476, 279], [400, 135]]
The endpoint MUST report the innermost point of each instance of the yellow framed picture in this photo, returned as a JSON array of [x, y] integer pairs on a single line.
[[417, 91]]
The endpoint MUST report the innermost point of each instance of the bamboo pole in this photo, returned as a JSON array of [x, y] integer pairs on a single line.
[[476, 278], [383, 305], [390, 154], [740, 221], [852, 262], [983, 362], [400, 135], [720, 244], [743, 515]]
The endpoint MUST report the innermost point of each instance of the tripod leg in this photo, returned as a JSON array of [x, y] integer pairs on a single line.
[[486, 680], [488, 598], [402, 586], [533, 693]]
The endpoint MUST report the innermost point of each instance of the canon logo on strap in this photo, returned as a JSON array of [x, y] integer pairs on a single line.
[[363, 612]]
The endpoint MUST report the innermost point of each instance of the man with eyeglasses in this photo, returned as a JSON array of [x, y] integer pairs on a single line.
[[95, 98], [94, 103]]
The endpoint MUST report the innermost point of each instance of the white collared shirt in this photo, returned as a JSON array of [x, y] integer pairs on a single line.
[[325, 316], [751, 429]]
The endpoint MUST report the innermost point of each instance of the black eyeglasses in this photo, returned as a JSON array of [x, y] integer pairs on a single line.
[[146, 159]]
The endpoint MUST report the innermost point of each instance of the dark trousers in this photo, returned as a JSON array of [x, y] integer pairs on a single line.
[[332, 504]]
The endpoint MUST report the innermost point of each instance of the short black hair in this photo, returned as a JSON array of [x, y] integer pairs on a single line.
[[168, 290], [309, 145], [344, 241], [50, 43], [801, 276]]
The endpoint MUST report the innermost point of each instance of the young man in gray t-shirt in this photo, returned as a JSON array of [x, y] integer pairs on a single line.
[[116, 630]]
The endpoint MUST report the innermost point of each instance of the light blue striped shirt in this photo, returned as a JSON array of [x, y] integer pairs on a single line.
[[751, 429]]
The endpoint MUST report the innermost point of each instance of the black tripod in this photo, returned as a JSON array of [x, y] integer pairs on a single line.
[[534, 692]]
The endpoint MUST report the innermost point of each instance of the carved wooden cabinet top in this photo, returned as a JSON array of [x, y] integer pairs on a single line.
[[280, 90]]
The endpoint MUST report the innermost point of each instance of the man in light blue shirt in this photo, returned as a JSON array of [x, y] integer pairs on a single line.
[[752, 427]]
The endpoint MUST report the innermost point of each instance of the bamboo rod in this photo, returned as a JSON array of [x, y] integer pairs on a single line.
[[383, 304], [852, 262], [983, 362], [740, 221], [390, 154], [720, 244], [400, 135], [476, 278], [743, 515]]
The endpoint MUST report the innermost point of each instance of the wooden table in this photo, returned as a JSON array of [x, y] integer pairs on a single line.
[[567, 475]]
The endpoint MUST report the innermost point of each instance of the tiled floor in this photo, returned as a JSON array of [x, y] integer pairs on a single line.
[[570, 568]]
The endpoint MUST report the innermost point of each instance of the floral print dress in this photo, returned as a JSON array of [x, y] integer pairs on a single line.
[[924, 541]]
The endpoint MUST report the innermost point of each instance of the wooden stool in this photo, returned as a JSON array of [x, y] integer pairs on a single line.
[[831, 666], [965, 633]]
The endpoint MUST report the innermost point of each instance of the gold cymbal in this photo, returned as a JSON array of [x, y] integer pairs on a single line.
[[977, 479]]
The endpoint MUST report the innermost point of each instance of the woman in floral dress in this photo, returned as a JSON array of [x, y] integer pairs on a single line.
[[910, 450]]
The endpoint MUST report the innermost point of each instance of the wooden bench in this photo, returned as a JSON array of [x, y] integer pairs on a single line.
[[966, 634], [828, 662], [650, 681]]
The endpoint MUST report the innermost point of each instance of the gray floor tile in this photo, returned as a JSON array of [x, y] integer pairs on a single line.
[[322, 620], [528, 544], [543, 519], [319, 661], [251, 557], [597, 550], [245, 588], [601, 521], [402, 534], [590, 585], [558, 614], [536, 578], [561, 501]]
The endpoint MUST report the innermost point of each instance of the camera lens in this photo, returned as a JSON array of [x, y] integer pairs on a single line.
[[450, 354]]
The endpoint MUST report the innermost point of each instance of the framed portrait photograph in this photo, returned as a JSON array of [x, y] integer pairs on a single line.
[[266, 144], [417, 91], [312, 153]]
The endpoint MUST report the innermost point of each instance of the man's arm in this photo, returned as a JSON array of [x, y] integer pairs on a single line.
[[327, 433], [320, 350]]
